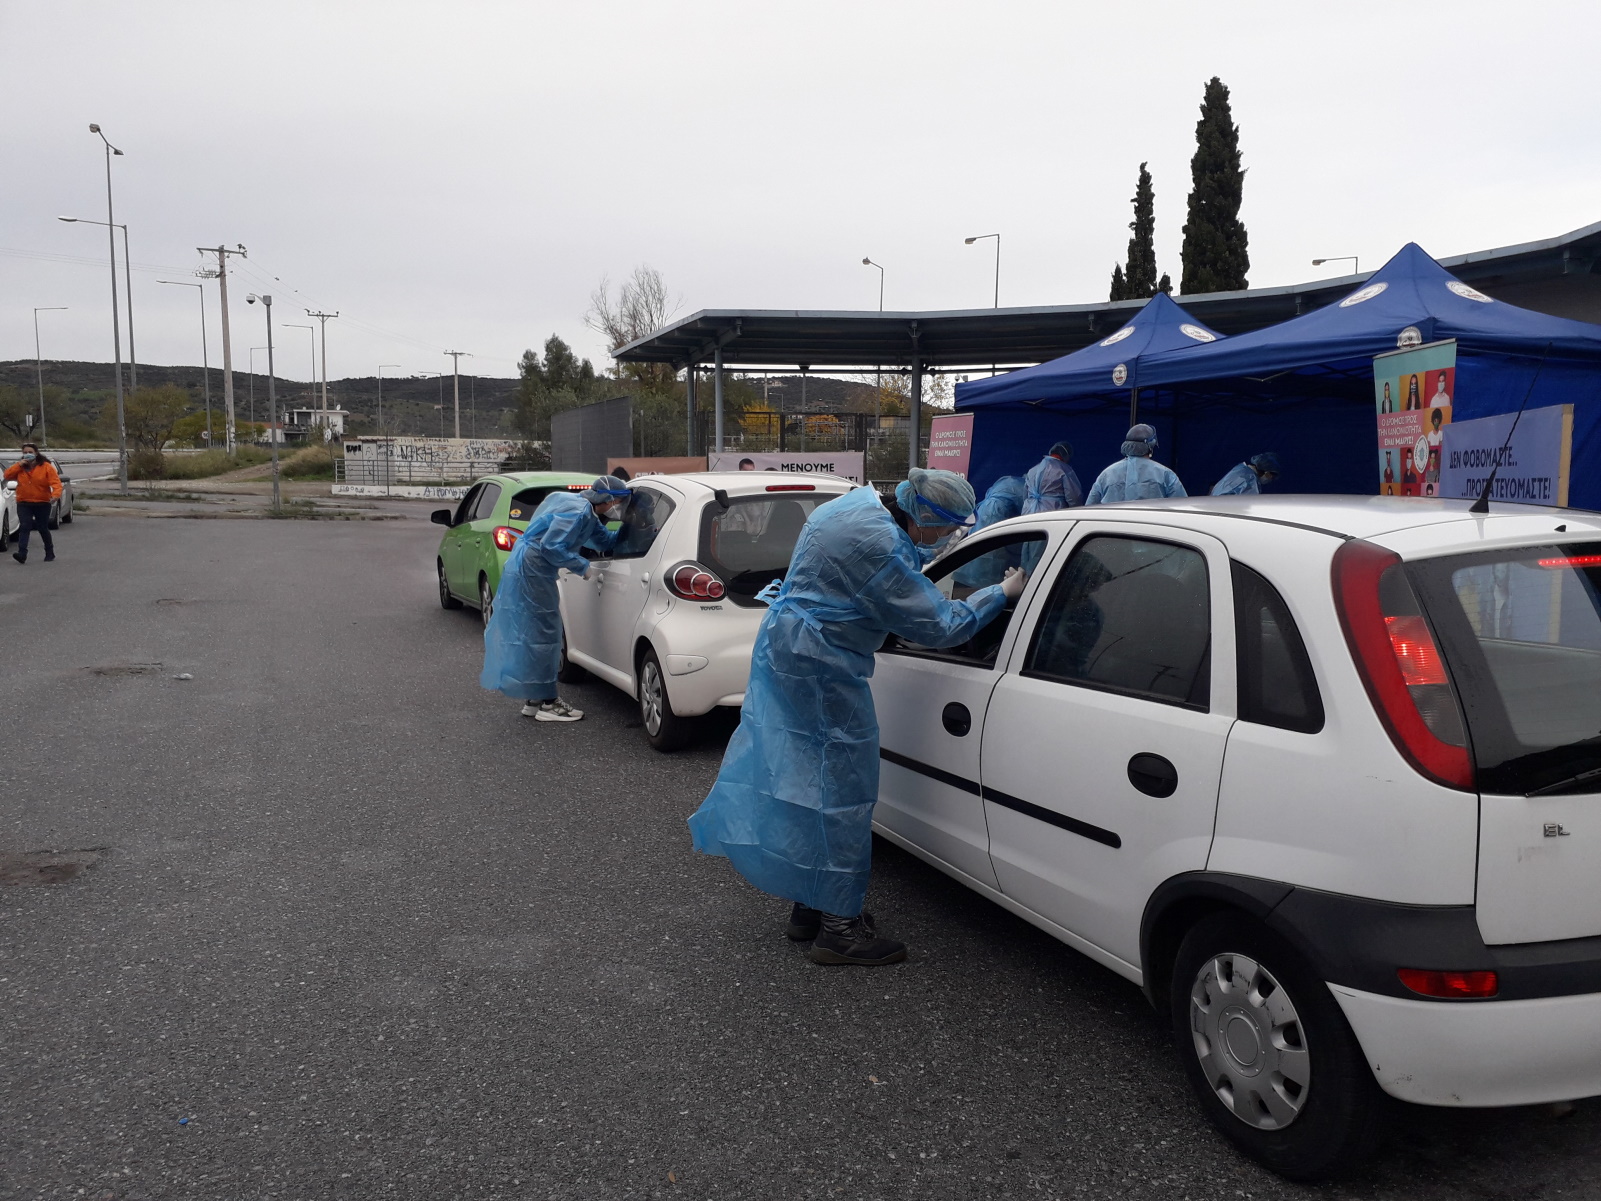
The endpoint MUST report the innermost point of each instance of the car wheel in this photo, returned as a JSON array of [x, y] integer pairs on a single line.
[[446, 600], [55, 515], [1270, 1056], [665, 729], [5, 530], [486, 599], [568, 672]]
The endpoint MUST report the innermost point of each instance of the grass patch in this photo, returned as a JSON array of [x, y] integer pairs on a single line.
[[197, 466], [307, 463]]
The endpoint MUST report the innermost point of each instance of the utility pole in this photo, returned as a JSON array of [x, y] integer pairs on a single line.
[[222, 253], [455, 372], [323, 317]]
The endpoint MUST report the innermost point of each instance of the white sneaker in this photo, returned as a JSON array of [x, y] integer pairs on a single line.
[[531, 708], [557, 710]]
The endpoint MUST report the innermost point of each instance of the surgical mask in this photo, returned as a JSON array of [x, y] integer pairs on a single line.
[[927, 552], [28, 457]]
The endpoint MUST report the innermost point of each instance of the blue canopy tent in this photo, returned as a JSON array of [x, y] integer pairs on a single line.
[[1305, 387], [1083, 397]]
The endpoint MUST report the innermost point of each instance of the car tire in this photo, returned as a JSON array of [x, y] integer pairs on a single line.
[[55, 516], [447, 600], [568, 672], [664, 728], [66, 518], [5, 530], [486, 599], [1271, 1058]]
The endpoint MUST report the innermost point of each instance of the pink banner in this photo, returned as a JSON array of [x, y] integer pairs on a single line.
[[950, 442]]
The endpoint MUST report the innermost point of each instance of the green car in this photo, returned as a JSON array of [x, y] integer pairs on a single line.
[[484, 527]]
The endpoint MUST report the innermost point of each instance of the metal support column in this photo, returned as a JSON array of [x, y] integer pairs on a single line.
[[690, 402], [717, 385], [915, 409]]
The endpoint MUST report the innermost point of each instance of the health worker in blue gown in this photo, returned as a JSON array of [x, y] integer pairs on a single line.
[[1003, 500], [522, 642], [792, 808], [1136, 476], [1247, 478]]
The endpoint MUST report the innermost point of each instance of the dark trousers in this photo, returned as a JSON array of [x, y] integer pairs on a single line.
[[34, 515]]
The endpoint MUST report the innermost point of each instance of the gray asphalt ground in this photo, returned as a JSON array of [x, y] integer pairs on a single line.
[[360, 930]]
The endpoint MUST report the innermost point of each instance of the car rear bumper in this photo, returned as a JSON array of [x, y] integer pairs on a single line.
[[1479, 1053], [721, 639]]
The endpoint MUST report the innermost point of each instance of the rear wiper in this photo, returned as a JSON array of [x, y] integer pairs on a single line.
[[1593, 774]]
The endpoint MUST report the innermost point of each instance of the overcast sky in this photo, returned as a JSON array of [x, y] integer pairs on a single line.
[[461, 175]]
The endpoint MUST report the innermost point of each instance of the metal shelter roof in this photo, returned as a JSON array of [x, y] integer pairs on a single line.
[[1556, 275]]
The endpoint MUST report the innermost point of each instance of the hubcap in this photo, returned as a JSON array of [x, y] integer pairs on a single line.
[[444, 586], [1249, 1040], [651, 700], [486, 600]]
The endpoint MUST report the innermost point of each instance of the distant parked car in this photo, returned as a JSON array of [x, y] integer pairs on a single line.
[[61, 510], [483, 528], [9, 520], [671, 614]]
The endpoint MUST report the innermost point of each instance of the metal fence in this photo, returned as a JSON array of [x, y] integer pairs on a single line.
[[387, 473]]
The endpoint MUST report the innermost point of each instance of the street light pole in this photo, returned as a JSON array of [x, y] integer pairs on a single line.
[[127, 284], [222, 253], [323, 317], [205, 360], [38, 362], [878, 394], [997, 237], [868, 262], [455, 373], [253, 350], [272, 400], [1356, 267], [116, 324]]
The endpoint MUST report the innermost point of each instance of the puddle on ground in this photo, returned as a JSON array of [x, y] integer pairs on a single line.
[[45, 867]]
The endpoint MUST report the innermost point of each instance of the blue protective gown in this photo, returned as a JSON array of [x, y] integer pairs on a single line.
[[1136, 477], [522, 642], [1051, 485], [792, 808], [1004, 499], [1240, 481]]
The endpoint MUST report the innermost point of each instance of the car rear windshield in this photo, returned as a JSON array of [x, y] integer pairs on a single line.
[[1521, 632], [749, 543], [526, 501]]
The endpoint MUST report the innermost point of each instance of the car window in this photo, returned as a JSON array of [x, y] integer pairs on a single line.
[[644, 516], [749, 544], [525, 502], [963, 572], [1129, 615], [1277, 687], [466, 506], [1520, 630], [487, 500]]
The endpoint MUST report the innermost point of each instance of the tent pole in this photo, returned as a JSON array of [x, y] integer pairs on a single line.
[[1133, 407]]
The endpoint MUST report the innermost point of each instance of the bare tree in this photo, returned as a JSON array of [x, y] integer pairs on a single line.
[[640, 307]]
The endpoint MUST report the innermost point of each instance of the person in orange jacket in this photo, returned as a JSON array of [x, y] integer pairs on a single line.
[[38, 486]]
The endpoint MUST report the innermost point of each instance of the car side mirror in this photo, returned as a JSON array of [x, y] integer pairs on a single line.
[[440, 517], [11, 485]]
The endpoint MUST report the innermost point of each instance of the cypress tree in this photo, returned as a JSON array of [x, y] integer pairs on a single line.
[[1166, 286], [1215, 254], [1119, 285], [1141, 274]]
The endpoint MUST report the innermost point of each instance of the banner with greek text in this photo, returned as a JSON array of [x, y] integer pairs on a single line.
[[1531, 468], [1412, 392]]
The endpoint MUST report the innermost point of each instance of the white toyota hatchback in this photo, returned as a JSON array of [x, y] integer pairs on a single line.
[[1317, 772], [671, 615]]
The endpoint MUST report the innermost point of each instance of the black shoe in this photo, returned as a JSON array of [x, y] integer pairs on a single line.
[[804, 922], [20, 558], [854, 940], [51, 557]]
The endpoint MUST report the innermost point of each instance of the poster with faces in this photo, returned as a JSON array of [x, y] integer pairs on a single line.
[[1412, 396]]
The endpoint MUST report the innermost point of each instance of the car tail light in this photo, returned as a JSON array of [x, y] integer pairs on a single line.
[[506, 537], [578, 487], [792, 487], [1450, 985], [693, 582], [1400, 662]]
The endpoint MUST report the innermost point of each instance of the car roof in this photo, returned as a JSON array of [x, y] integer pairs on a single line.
[[1413, 525], [747, 483]]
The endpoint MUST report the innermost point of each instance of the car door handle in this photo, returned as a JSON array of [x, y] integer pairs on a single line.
[[956, 719], [644, 580], [1153, 775]]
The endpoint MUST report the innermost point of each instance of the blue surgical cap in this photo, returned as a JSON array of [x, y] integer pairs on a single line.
[[1265, 462], [935, 497], [605, 489], [1063, 451]]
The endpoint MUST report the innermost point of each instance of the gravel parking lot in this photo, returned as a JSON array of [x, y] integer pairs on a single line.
[[351, 927]]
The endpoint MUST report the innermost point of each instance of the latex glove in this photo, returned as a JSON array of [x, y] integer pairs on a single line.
[[1012, 583], [770, 593], [588, 572]]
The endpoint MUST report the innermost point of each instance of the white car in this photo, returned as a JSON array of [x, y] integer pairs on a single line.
[[1316, 772], [10, 521], [671, 615]]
